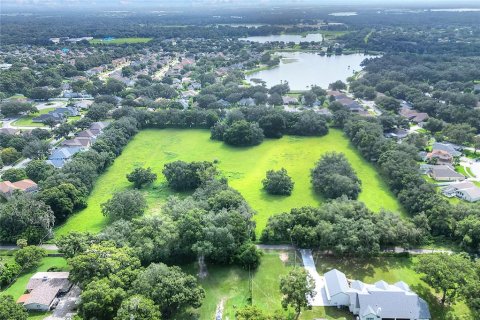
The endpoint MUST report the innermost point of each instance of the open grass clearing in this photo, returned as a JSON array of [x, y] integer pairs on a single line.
[[391, 269], [26, 121], [231, 284], [244, 167], [120, 40]]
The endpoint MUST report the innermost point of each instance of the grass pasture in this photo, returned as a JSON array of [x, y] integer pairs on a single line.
[[244, 167], [231, 285], [120, 40]]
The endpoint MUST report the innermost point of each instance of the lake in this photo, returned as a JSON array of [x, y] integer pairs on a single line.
[[302, 69], [297, 38]]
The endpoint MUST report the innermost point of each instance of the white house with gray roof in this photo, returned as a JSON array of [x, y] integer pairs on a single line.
[[375, 301]]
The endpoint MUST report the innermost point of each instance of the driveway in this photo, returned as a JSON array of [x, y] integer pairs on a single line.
[[65, 309], [320, 298]]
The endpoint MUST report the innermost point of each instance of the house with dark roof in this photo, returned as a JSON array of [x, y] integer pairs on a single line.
[[43, 289], [375, 301]]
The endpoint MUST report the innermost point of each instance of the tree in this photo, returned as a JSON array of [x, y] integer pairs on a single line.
[[39, 170], [36, 149], [10, 155], [434, 125], [138, 307], [388, 103], [249, 256], [14, 108], [26, 218], [170, 288], [255, 313], [309, 98], [8, 273], [141, 176], [125, 205], [243, 133], [100, 299], [273, 125], [310, 124], [461, 134], [63, 199], [446, 274], [63, 130], [14, 175], [476, 143], [334, 177], [98, 111], [40, 93], [74, 243], [296, 287], [102, 260], [278, 182], [183, 176], [29, 257], [10, 310], [337, 85], [275, 99]]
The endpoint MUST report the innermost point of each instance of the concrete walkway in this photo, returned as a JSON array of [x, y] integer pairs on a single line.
[[320, 298]]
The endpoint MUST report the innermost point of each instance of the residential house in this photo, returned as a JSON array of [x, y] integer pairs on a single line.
[[465, 190], [439, 157], [83, 104], [413, 115], [7, 188], [398, 133], [445, 173], [60, 156], [246, 102], [374, 301], [58, 114], [97, 127], [450, 148], [289, 100], [82, 142], [43, 290]]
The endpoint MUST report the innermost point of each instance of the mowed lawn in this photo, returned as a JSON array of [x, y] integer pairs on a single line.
[[19, 286], [120, 40], [244, 167], [26, 121], [392, 270], [231, 285]]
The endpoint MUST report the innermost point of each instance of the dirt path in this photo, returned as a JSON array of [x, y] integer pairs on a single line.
[[219, 311]]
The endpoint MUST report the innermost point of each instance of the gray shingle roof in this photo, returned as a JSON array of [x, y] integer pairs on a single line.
[[336, 282]]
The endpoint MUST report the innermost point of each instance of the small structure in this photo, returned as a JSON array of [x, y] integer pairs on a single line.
[[445, 173], [7, 188], [375, 301], [43, 289]]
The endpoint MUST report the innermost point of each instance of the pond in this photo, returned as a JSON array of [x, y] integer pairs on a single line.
[[297, 38], [303, 69]]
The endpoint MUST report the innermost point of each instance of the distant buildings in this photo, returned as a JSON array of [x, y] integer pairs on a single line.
[[413, 115], [57, 115], [350, 104], [7, 188], [375, 301]]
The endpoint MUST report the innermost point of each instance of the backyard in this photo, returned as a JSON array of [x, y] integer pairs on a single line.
[[244, 167]]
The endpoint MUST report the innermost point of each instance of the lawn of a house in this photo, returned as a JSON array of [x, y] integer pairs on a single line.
[[231, 284], [120, 40], [392, 270], [19, 286], [26, 121], [244, 167]]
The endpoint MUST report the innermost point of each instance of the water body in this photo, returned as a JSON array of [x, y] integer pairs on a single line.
[[456, 10], [343, 14], [297, 38], [303, 69]]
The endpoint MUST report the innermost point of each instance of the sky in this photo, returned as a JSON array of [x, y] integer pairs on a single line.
[[63, 4]]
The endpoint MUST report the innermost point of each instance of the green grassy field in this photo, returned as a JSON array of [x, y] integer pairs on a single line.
[[120, 41], [244, 167], [19, 286], [391, 269], [230, 284], [26, 121]]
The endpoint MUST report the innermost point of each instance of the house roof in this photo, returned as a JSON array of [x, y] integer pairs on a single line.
[[25, 184], [392, 304], [442, 171], [335, 282], [45, 286], [473, 193], [446, 147]]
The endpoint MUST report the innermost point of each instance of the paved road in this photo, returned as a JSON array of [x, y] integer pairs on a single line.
[[320, 297], [44, 246]]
